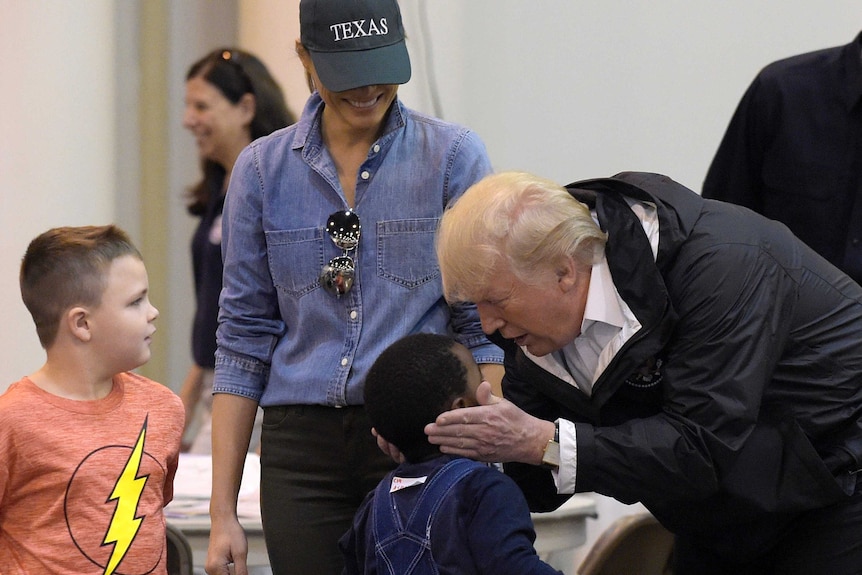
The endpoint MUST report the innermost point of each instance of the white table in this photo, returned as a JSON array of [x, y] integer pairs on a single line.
[[558, 533], [189, 510]]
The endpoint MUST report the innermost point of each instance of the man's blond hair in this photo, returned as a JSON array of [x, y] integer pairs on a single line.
[[527, 223]]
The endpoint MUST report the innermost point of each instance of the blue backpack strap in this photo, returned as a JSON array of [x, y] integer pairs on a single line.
[[403, 548]]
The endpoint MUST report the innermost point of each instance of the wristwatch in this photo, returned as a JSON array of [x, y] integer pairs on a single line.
[[551, 455]]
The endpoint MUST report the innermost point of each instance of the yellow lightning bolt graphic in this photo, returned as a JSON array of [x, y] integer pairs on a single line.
[[127, 492]]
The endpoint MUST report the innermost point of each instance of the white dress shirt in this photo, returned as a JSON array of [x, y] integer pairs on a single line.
[[608, 323]]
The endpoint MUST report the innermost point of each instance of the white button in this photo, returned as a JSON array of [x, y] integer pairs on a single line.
[[353, 314], [365, 175], [376, 148], [343, 361]]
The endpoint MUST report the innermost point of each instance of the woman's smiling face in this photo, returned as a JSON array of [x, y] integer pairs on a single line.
[[220, 127], [358, 110]]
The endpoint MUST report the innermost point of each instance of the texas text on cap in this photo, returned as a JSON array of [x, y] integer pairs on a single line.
[[354, 43]]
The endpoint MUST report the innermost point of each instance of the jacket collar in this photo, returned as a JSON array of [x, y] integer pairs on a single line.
[[636, 276]]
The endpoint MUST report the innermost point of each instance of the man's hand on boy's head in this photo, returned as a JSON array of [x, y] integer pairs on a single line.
[[493, 374], [485, 394], [494, 431], [388, 448]]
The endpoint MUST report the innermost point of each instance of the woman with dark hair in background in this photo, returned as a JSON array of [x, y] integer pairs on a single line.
[[231, 99]]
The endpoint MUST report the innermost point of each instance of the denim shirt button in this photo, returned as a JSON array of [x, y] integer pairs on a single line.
[[376, 148], [343, 361], [353, 314], [365, 175]]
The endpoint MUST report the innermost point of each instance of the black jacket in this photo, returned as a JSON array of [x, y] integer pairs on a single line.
[[738, 403], [793, 151]]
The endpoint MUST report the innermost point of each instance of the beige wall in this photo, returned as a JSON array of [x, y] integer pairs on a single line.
[[90, 111], [57, 143], [269, 28]]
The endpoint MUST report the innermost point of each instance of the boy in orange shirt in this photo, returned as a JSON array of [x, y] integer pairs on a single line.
[[88, 450]]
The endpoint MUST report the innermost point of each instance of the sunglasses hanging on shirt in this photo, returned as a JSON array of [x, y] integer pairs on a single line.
[[344, 229]]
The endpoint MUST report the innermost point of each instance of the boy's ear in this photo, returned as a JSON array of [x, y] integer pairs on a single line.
[[78, 323], [459, 402]]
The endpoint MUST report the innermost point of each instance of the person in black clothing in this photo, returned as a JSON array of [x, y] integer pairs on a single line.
[[660, 347], [231, 99], [793, 151]]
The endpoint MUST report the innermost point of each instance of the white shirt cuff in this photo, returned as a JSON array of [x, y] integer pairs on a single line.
[[565, 476]]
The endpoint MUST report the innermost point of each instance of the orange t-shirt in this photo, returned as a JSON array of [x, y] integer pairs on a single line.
[[83, 483]]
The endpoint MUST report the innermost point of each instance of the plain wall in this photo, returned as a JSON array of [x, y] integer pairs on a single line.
[[583, 89], [58, 144], [91, 105]]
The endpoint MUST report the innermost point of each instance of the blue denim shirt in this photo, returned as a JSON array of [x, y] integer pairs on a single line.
[[282, 339]]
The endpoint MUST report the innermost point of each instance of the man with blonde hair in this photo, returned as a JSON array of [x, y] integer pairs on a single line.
[[663, 348]]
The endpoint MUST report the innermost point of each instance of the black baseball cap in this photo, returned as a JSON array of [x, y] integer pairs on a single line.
[[355, 43]]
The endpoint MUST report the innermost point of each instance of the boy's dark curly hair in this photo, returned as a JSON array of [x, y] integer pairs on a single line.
[[412, 382]]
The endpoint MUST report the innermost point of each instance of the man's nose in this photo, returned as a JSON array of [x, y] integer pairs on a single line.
[[490, 319]]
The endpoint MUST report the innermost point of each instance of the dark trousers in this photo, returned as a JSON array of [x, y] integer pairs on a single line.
[[317, 465], [825, 541]]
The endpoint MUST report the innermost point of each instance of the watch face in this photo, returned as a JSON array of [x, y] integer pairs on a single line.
[[551, 456]]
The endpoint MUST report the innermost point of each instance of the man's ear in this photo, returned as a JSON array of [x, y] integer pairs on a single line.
[[568, 273], [77, 320]]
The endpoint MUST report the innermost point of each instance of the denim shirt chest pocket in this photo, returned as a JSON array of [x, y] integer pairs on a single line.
[[295, 259], [405, 251]]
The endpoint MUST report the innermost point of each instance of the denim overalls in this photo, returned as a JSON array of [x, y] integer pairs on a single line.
[[406, 549]]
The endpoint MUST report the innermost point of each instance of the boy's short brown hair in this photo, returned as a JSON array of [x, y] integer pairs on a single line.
[[65, 267]]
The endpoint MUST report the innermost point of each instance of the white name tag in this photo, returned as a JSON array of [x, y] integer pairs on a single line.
[[399, 483]]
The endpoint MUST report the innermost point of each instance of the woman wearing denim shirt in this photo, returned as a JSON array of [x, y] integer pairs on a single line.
[[308, 303]]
